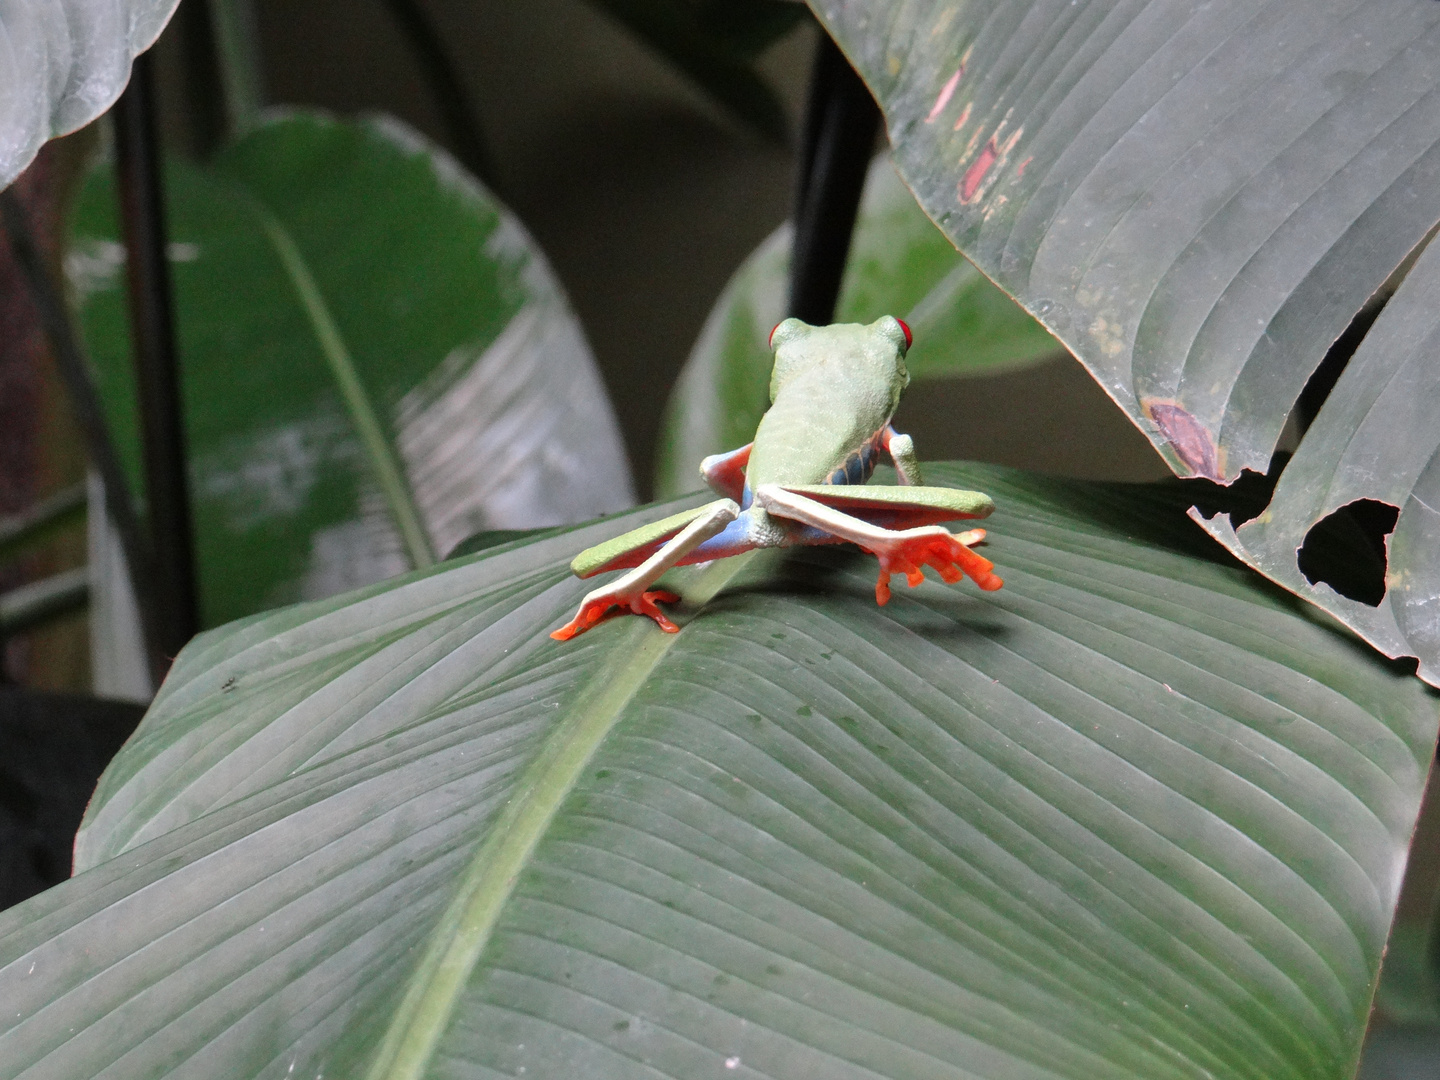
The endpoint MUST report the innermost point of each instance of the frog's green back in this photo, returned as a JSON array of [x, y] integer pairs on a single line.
[[832, 388]]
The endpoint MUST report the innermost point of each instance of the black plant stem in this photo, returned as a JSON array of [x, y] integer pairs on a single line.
[[49, 302], [157, 376], [204, 87], [446, 88], [841, 120]]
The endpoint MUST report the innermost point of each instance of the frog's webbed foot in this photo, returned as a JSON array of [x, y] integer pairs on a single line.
[[903, 550], [932, 546], [593, 612]]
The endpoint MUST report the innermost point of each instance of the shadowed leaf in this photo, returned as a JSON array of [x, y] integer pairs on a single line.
[[715, 43]]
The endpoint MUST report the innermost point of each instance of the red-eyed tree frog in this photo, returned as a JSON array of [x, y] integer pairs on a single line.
[[833, 391]]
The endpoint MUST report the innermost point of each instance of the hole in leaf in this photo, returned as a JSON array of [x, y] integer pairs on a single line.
[[1244, 499], [1346, 550], [1323, 379]]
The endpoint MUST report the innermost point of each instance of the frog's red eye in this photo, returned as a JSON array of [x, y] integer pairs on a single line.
[[908, 336], [770, 341]]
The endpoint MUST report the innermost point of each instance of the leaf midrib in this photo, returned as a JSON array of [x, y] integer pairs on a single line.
[[388, 472], [468, 922]]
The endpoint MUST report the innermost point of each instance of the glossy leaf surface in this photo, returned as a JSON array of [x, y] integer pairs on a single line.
[[900, 265], [1377, 438], [1137, 814], [63, 63], [376, 361], [1196, 199]]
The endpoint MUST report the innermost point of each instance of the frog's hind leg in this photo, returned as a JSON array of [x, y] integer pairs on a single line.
[[630, 549], [631, 592], [900, 550]]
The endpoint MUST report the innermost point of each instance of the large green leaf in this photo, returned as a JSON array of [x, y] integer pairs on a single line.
[[63, 63], [1197, 199], [1137, 814], [376, 360], [899, 264]]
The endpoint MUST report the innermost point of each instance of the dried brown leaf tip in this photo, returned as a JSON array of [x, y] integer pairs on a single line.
[[1188, 437]]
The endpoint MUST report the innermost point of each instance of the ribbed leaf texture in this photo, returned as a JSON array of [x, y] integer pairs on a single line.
[[1137, 814]]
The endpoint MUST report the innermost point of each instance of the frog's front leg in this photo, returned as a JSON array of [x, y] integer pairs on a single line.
[[630, 591], [724, 473], [900, 551], [901, 449]]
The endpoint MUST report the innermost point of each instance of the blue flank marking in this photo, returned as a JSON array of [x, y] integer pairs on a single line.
[[859, 466]]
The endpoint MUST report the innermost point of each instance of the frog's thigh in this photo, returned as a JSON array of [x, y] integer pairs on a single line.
[[788, 504], [716, 518], [899, 550], [634, 547]]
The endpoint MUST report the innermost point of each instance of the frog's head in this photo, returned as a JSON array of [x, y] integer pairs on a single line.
[[873, 354]]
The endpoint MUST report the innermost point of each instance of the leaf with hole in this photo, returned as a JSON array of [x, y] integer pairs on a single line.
[[1137, 814], [900, 265], [1196, 199], [1369, 466], [376, 361]]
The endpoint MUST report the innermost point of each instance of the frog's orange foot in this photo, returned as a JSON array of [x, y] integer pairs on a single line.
[[949, 555], [594, 612]]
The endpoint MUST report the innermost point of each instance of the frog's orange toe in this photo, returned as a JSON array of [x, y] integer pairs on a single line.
[[588, 615], [645, 605], [949, 555]]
